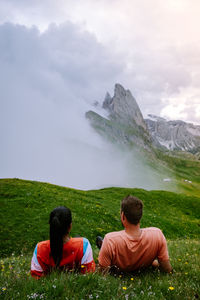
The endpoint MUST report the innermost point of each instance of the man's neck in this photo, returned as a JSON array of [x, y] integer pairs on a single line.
[[133, 230]]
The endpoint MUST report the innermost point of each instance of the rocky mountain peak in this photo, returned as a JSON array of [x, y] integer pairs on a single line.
[[119, 90], [125, 125], [123, 106], [155, 118], [107, 102]]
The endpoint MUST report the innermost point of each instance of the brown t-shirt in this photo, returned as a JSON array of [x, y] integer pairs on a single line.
[[129, 253]]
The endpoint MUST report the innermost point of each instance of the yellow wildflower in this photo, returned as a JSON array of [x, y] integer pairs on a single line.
[[171, 288], [132, 278], [124, 287]]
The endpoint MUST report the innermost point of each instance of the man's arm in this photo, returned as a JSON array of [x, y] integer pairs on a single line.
[[163, 256], [165, 266], [105, 257]]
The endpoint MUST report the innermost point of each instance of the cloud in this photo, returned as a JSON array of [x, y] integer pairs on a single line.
[[184, 105], [42, 108], [49, 81], [65, 56], [153, 44]]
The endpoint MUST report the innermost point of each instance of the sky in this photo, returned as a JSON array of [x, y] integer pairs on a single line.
[[153, 44], [57, 57]]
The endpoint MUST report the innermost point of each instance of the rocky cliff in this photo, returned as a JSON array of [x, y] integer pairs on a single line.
[[124, 108], [126, 125], [174, 135]]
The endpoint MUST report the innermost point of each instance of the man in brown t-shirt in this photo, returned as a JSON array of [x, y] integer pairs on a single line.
[[134, 247]]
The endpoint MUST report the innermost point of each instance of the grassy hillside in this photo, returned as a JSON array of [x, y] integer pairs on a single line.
[[183, 168], [185, 171], [25, 207], [24, 213]]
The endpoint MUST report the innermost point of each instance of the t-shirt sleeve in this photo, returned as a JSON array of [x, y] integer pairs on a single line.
[[36, 269], [87, 261], [105, 254], [163, 251]]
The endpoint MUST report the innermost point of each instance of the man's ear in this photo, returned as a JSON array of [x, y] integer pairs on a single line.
[[122, 216]]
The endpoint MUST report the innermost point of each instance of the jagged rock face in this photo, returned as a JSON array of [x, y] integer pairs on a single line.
[[114, 132], [107, 104], [125, 124], [174, 135], [124, 107]]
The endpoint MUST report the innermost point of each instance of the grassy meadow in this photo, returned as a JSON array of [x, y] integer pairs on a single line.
[[24, 213], [183, 169]]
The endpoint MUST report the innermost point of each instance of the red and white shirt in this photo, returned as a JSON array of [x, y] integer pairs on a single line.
[[77, 254]]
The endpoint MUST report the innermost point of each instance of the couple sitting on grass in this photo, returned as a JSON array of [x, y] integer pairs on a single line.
[[128, 250]]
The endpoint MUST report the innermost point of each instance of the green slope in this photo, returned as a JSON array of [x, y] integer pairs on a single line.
[[183, 168], [25, 208], [185, 171], [24, 213]]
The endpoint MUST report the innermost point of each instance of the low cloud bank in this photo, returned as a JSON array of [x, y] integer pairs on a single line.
[[49, 82]]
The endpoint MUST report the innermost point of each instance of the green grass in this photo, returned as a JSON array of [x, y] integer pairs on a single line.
[[24, 213], [16, 283], [182, 168]]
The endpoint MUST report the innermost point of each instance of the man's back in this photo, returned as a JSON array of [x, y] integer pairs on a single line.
[[133, 252]]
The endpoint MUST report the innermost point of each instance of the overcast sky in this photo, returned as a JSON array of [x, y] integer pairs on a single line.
[[59, 56], [153, 47]]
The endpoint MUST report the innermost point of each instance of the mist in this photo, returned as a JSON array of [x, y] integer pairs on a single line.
[[48, 82]]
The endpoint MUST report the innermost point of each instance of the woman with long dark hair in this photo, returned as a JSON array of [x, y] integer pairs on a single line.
[[61, 251]]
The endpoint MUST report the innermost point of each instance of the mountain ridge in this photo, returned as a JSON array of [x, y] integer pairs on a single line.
[[126, 125], [174, 134]]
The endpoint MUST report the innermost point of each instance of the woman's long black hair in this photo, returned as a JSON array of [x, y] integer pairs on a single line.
[[60, 220]]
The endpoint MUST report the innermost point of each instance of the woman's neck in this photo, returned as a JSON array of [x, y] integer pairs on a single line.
[[66, 238]]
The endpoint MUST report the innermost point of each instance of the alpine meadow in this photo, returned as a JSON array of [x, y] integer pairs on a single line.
[[100, 146], [25, 207]]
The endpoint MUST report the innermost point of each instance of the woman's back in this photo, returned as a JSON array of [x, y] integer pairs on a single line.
[[77, 255], [62, 252]]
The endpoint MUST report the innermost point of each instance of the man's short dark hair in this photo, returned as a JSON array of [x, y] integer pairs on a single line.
[[132, 209]]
